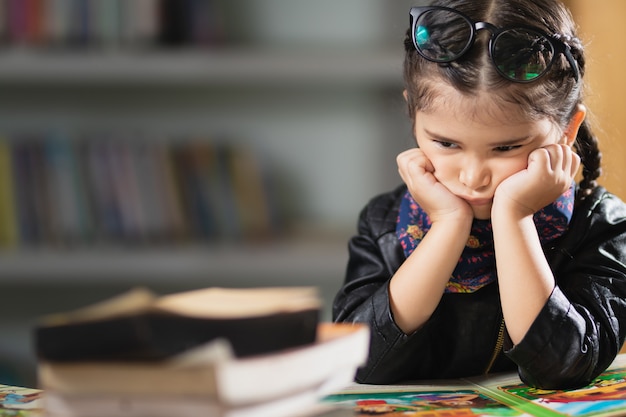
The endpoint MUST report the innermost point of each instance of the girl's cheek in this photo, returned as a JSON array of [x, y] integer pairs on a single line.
[[443, 170], [444, 177]]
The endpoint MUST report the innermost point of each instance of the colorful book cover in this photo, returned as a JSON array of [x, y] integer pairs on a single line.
[[20, 402], [494, 395], [420, 402], [606, 396]]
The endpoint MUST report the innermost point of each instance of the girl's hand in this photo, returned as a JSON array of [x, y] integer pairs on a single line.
[[549, 174], [417, 172]]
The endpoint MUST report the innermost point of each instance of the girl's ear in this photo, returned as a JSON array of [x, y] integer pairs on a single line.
[[405, 95], [571, 131]]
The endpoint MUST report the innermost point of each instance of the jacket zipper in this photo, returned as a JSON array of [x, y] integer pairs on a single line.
[[497, 348]]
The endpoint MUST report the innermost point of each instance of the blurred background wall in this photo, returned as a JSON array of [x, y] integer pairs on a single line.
[[263, 126], [601, 30], [180, 144]]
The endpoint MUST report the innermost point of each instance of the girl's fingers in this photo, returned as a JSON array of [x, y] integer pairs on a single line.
[[413, 164], [561, 159]]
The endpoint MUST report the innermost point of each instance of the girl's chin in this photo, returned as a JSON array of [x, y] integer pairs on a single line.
[[482, 212]]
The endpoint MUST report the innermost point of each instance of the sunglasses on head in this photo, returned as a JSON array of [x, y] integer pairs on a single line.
[[521, 54]]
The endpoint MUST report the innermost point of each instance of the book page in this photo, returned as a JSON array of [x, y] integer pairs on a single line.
[[130, 302], [18, 398], [211, 302], [605, 396], [421, 399], [492, 395], [220, 302]]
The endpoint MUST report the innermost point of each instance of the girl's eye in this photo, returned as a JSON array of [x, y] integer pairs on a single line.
[[445, 144], [507, 148]]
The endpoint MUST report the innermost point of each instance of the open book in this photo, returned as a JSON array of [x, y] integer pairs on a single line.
[[138, 325], [493, 395], [20, 401]]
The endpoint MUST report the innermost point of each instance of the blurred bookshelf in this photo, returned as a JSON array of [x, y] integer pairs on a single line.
[[305, 95]]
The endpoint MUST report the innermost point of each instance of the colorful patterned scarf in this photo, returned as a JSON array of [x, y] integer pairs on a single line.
[[477, 265]]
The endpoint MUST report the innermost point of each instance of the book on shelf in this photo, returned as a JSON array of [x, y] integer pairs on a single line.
[[139, 325], [208, 379], [111, 23], [176, 227], [125, 188], [31, 193], [199, 181], [68, 211], [490, 395], [145, 170], [253, 193], [8, 215], [121, 187]]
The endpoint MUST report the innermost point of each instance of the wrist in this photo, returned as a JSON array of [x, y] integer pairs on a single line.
[[457, 217], [459, 225], [509, 208]]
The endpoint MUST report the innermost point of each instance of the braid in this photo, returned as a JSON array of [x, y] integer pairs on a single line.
[[591, 157], [586, 142]]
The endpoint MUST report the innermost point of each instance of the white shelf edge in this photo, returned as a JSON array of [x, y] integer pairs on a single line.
[[254, 66]]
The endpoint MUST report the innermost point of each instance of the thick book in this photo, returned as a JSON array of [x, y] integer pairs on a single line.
[[492, 395], [211, 372], [138, 325], [287, 383]]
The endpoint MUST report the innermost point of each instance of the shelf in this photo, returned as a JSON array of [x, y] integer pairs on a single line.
[[297, 262], [381, 67]]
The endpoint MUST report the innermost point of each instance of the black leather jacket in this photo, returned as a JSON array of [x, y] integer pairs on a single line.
[[575, 337]]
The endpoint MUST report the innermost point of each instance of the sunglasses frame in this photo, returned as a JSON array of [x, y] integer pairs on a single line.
[[558, 46]]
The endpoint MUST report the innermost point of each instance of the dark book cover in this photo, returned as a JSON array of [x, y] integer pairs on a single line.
[[156, 332]]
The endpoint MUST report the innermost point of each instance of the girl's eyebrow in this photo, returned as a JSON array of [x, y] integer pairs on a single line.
[[503, 142], [439, 137], [509, 142]]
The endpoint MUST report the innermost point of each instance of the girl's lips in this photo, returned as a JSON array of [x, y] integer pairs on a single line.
[[477, 201]]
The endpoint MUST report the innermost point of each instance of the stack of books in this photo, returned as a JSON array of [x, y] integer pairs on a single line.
[[216, 352]]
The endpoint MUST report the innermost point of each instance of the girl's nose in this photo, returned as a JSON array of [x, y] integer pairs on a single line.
[[474, 174]]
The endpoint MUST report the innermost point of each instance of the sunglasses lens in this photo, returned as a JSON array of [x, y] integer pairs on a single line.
[[442, 35], [522, 54]]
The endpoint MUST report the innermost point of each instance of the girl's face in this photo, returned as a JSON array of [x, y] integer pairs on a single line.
[[474, 144]]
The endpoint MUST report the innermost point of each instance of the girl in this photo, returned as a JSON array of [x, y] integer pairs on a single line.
[[491, 257]]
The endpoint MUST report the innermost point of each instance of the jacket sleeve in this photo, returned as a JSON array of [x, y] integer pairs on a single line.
[[364, 296], [369, 269], [582, 327]]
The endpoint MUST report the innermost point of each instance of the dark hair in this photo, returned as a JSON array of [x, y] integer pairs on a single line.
[[555, 95]]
